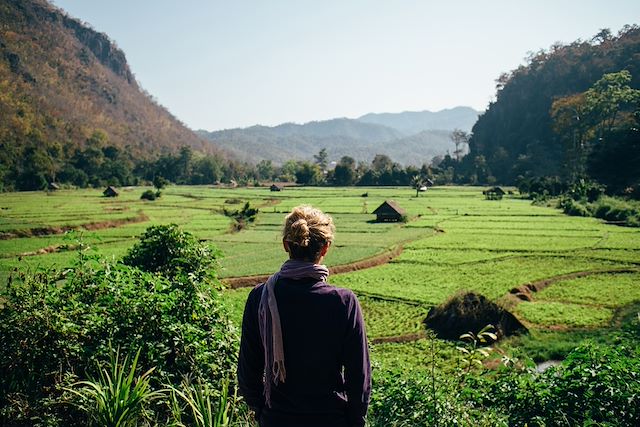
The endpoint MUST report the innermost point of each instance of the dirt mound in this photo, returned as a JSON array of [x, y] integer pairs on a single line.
[[470, 312]]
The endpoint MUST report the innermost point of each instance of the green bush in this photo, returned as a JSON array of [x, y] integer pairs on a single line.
[[150, 195], [169, 250], [617, 210], [55, 327], [595, 385], [585, 190], [624, 212], [401, 398], [573, 207], [242, 216]]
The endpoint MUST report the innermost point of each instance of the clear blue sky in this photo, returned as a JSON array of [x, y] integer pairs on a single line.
[[218, 64]]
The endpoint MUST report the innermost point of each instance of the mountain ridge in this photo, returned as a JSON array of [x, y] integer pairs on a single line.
[[359, 138]]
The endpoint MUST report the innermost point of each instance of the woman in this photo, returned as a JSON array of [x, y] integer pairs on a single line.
[[304, 359]]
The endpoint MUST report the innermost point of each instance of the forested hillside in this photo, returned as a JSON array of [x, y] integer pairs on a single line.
[[68, 102], [549, 115]]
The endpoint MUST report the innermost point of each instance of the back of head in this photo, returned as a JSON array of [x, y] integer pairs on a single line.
[[307, 230]]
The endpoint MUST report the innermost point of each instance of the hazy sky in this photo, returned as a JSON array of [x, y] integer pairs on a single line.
[[237, 63]]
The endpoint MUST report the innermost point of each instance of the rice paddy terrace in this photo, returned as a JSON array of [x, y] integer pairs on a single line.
[[582, 276]]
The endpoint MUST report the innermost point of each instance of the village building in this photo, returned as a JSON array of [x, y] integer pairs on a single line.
[[389, 211], [275, 188], [494, 193], [110, 192]]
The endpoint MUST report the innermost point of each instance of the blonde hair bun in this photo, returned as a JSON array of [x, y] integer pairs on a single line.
[[307, 230], [300, 233]]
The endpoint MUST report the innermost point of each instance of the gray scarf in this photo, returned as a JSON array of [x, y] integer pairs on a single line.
[[269, 319]]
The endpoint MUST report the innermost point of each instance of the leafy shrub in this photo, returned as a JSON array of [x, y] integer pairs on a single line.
[[469, 311], [169, 250], [242, 216], [595, 385], [618, 210], [150, 195], [573, 207], [585, 190], [56, 326], [624, 212], [541, 186], [401, 398]]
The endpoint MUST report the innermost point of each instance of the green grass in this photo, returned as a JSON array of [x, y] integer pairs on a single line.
[[432, 284], [391, 318], [604, 290], [564, 314]]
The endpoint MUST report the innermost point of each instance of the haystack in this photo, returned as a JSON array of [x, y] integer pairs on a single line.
[[470, 312]]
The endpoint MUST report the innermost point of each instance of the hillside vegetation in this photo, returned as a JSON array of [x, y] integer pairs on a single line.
[[63, 87], [569, 112]]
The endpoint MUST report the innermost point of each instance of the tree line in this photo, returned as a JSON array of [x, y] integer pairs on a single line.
[[571, 113], [99, 163]]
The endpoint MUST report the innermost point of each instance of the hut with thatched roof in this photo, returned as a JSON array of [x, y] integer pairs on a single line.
[[110, 191], [494, 193], [389, 211]]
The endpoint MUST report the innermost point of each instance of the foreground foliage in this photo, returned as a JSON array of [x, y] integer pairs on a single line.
[[117, 398], [56, 325], [595, 385]]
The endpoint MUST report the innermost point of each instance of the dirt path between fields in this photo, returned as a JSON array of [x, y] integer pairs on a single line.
[[374, 261], [398, 339], [525, 291], [90, 226]]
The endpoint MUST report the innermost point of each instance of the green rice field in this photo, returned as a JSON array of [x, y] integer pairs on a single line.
[[454, 240]]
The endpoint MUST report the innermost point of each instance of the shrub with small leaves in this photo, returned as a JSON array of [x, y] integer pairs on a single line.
[[171, 251]]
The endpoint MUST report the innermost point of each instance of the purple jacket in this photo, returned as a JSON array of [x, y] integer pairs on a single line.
[[325, 353]]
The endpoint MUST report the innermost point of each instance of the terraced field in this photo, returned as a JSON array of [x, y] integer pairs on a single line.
[[34, 226], [456, 240]]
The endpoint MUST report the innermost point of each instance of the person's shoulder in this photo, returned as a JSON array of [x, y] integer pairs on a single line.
[[256, 292], [346, 295]]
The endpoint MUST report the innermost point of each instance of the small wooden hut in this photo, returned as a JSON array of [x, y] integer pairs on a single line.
[[389, 211], [275, 188], [110, 191], [494, 193]]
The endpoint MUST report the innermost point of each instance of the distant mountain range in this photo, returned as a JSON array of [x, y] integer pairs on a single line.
[[410, 138], [412, 122]]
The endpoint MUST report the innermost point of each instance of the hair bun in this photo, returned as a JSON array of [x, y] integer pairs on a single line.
[[307, 230], [300, 232]]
